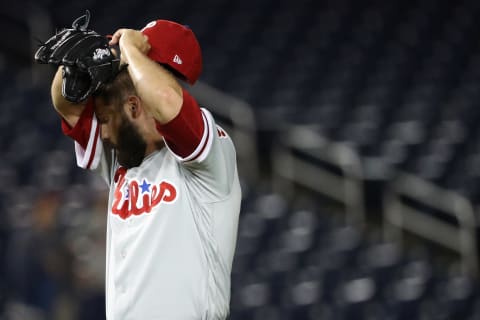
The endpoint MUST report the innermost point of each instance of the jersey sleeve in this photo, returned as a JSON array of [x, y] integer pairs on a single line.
[[201, 146], [89, 150]]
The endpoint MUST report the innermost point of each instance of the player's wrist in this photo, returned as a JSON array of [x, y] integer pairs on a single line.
[[129, 53]]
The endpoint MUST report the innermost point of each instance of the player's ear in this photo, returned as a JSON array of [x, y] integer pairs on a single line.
[[133, 106]]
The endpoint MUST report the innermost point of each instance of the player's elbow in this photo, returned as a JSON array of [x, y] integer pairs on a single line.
[[59, 102], [166, 103]]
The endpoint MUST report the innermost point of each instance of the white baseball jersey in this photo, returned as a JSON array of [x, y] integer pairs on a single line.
[[172, 221]]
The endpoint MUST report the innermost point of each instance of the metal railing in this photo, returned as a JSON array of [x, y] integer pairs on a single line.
[[400, 215], [346, 187]]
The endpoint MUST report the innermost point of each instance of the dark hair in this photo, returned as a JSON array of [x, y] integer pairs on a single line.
[[116, 91]]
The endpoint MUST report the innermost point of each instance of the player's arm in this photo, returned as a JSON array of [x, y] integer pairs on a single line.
[[177, 114], [80, 124], [189, 132], [69, 111], [157, 87]]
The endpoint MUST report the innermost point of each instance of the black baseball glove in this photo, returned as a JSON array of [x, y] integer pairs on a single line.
[[87, 59]]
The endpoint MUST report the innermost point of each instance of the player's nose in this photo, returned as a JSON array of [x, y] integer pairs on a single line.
[[104, 133]]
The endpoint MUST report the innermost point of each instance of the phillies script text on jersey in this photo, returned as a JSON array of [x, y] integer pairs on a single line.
[[134, 198]]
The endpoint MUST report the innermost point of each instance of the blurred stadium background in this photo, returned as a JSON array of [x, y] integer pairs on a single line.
[[356, 124]]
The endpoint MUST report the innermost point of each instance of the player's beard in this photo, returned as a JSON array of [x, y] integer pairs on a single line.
[[131, 146]]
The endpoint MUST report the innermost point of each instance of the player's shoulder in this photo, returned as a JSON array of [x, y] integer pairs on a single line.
[[221, 133], [212, 124], [215, 140]]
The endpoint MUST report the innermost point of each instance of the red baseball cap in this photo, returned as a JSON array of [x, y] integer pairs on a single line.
[[175, 45]]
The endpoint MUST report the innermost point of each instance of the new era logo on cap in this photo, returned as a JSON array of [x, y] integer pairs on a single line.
[[177, 59], [175, 45]]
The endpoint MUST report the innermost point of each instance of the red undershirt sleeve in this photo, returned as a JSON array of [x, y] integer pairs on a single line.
[[184, 133], [82, 130], [86, 133]]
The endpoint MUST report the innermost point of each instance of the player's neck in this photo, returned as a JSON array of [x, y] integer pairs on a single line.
[[154, 146]]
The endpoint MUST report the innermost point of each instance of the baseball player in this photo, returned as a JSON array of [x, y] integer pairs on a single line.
[[174, 191]]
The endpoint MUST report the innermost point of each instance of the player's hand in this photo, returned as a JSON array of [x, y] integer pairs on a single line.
[[127, 38]]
